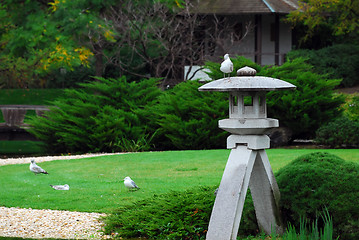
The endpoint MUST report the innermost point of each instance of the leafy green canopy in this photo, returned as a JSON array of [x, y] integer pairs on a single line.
[[102, 116], [340, 15], [38, 37]]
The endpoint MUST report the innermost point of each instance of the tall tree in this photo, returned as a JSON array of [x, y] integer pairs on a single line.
[[39, 36], [159, 38], [341, 16], [139, 38]]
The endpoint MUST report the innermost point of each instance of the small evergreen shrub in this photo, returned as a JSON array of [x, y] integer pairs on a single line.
[[186, 118], [105, 115], [317, 181], [342, 132], [176, 215], [338, 61]]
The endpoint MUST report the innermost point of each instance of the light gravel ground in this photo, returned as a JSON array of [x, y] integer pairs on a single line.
[[7, 161], [32, 223]]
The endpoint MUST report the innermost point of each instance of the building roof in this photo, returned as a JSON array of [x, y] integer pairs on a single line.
[[232, 7]]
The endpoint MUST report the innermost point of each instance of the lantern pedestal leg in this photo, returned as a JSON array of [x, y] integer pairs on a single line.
[[265, 195], [245, 168]]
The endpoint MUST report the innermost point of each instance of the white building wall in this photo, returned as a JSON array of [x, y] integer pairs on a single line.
[[285, 42], [268, 46], [246, 47]]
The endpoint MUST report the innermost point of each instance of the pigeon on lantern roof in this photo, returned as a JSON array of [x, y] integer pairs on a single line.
[[226, 65]]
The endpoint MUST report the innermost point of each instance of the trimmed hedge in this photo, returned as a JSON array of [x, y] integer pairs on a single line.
[[317, 181]]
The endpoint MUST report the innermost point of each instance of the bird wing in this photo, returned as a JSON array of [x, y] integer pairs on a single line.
[[134, 184], [37, 169]]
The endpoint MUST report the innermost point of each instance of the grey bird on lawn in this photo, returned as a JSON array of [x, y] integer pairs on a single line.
[[226, 65], [129, 183], [36, 169], [60, 187]]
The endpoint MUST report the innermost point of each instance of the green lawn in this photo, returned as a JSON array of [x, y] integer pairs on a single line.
[[96, 186]]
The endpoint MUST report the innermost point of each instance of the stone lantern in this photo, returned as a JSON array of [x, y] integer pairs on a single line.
[[248, 164]]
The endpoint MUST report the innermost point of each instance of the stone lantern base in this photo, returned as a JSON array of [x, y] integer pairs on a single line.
[[247, 166]]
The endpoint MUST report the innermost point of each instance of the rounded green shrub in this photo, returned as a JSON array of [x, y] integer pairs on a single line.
[[340, 133], [317, 181], [176, 215]]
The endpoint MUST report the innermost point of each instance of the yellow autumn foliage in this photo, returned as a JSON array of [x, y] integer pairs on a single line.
[[54, 5], [66, 58]]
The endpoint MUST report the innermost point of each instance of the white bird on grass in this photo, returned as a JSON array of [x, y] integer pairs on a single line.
[[129, 183], [36, 169], [60, 187], [226, 65]]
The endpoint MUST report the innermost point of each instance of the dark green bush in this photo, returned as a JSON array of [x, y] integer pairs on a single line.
[[103, 116], [317, 181], [303, 110], [310, 105], [188, 119], [342, 132], [338, 61], [64, 79], [177, 215]]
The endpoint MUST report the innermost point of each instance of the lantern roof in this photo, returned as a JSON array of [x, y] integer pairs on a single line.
[[246, 82]]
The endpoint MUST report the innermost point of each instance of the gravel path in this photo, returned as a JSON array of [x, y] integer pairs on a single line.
[[7, 161], [32, 223]]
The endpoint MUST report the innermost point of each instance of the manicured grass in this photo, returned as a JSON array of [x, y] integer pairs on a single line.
[[96, 183]]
